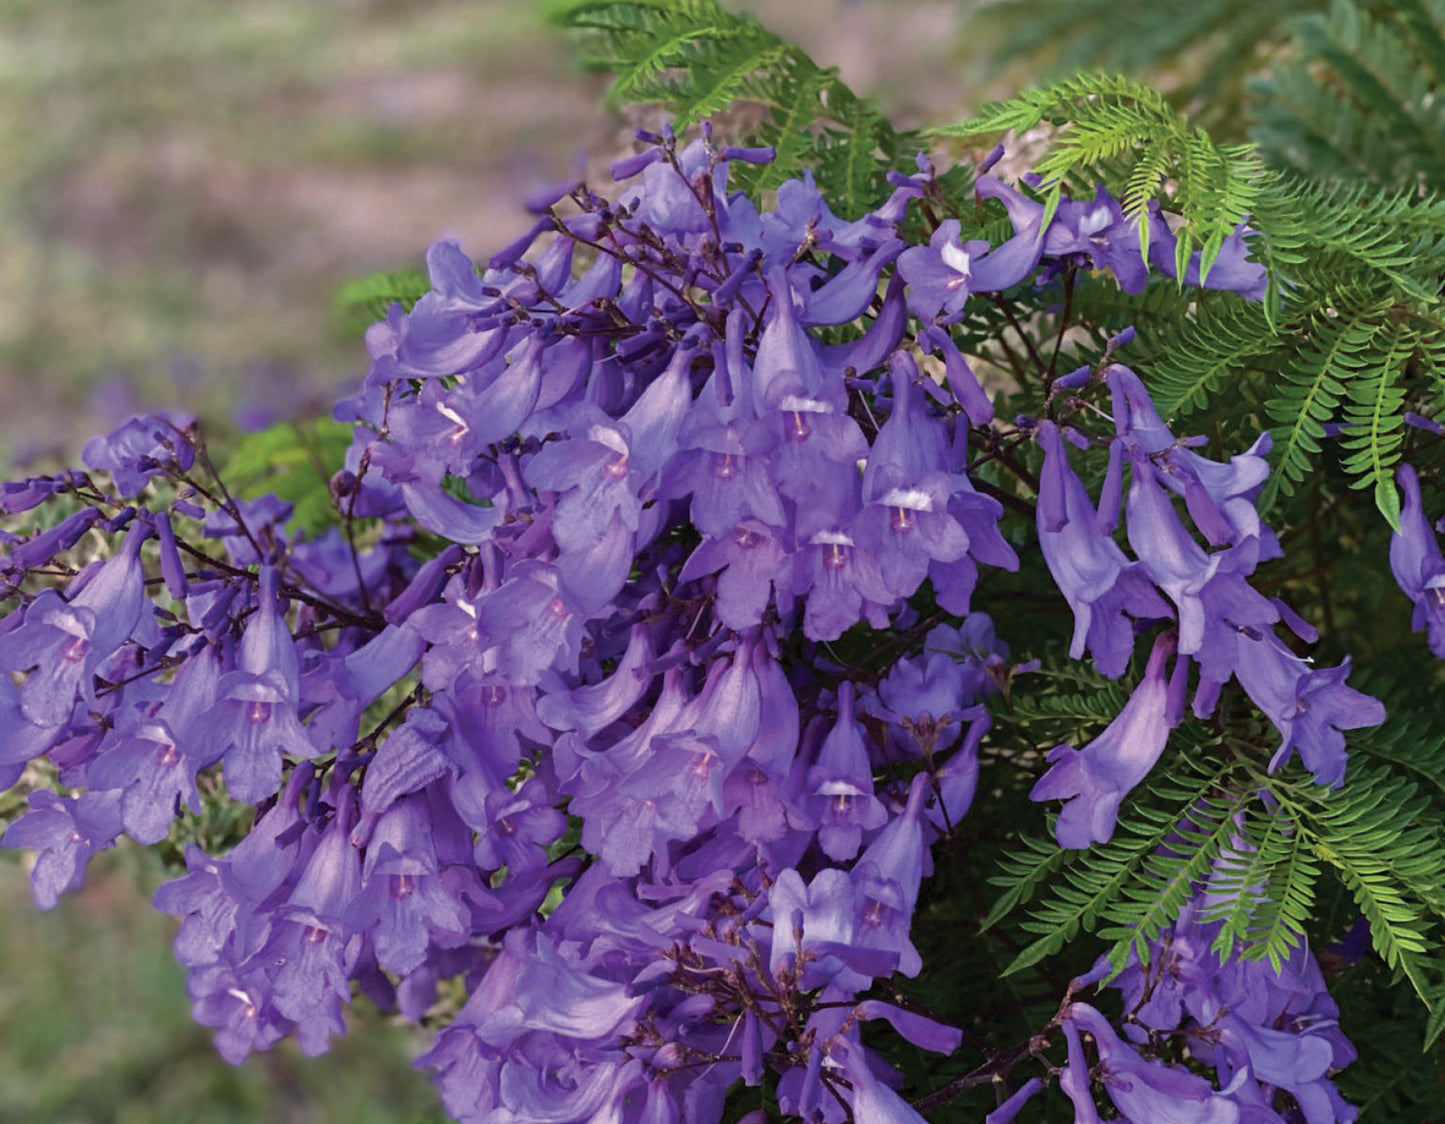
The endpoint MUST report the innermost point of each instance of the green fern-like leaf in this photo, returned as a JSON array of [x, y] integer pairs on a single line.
[[295, 462], [1023, 871], [1126, 135], [1207, 49], [1398, 239], [1375, 417], [1169, 875], [359, 304], [696, 59], [1263, 889], [1194, 368], [1118, 880], [1310, 390], [1277, 922], [1382, 840], [1365, 96]]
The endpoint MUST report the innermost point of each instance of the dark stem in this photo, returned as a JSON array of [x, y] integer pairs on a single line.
[[1063, 327]]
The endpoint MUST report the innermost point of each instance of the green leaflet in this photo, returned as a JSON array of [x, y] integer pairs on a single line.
[[1353, 233], [1337, 348], [1266, 888], [696, 59], [1112, 130], [1207, 49], [1263, 841], [1195, 365], [1375, 413], [1383, 842], [1363, 97], [359, 304], [1126, 881], [295, 462]]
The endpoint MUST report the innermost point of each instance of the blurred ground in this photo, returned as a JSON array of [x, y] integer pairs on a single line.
[[183, 184], [95, 1028]]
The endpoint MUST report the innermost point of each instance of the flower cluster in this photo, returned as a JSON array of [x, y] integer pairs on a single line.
[[1270, 1035], [1217, 618], [553, 709]]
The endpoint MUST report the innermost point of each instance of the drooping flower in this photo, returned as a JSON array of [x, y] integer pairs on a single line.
[[1099, 582], [254, 721], [1095, 779], [1417, 564], [841, 783]]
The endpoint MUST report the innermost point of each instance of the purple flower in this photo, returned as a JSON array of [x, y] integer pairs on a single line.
[[1098, 230], [841, 783], [905, 523], [1261, 1027], [1309, 707], [538, 996], [154, 763], [845, 296], [309, 954], [1007, 1112], [66, 832], [938, 275], [1091, 571], [23, 739], [927, 700], [1095, 779], [1007, 264], [532, 623], [892, 867], [1416, 562], [254, 722], [822, 919], [403, 901], [42, 547], [64, 644], [873, 1102], [1172, 559], [1231, 271], [141, 448], [519, 826], [1143, 1090], [1220, 497], [752, 560]]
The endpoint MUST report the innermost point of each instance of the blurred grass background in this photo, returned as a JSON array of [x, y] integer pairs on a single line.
[[183, 185], [185, 182]]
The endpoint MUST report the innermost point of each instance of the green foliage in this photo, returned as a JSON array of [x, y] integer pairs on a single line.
[[1330, 89], [1137, 882], [1202, 816], [695, 59], [1383, 841], [1126, 135], [294, 461], [1393, 1079], [1316, 236], [1361, 97], [1264, 887], [359, 304], [1263, 842], [1205, 49], [1336, 349], [1347, 328], [1207, 352]]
